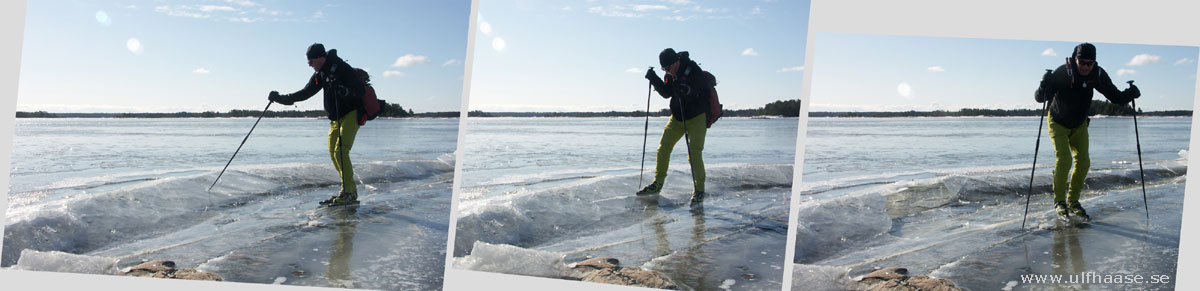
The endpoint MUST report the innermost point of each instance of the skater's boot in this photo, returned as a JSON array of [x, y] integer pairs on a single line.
[[1077, 210], [697, 197], [1061, 208], [653, 188], [341, 199]]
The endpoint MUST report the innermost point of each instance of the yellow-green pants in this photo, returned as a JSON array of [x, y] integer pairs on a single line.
[[696, 128], [341, 139], [1070, 144]]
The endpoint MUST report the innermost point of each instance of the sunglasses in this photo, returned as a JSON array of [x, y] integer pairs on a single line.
[[1086, 63], [667, 68]]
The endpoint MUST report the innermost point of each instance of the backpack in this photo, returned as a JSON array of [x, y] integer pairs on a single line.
[[371, 106], [715, 108]]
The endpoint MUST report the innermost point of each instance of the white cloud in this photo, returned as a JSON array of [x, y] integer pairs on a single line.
[[498, 44], [905, 90], [131, 6], [1144, 59], [1184, 61], [183, 11], [634, 70], [750, 52], [242, 2], [936, 69], [270, 12], [1123, 72], [1049, 53], [615, 11], [211, 8], [134, 46], [671, 10], [567, 8], [201, 71], [391, 73], [409, 60], [791, 69], [451, 62], [756, 10], [237, 11], [649, 7], [485, 28]]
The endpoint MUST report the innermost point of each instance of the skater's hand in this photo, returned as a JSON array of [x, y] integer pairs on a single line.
[[1133, 91], [1046, 78], [650, 75], [274, 97]]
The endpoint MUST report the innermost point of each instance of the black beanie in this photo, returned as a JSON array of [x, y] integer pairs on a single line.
[[667, 57], [315, 50], [1085, 51]]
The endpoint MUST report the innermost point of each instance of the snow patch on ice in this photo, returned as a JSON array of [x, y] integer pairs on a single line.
[[1009, 286], [65, 262], [727, 284], [514, 260], [817, 277]]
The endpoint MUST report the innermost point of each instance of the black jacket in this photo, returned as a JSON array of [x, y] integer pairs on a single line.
[[692, 86], [1071, 94], [343, 87]]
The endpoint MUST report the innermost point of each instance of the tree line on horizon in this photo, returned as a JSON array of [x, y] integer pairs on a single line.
[[1098, 107], [786, 108], [391, 110]]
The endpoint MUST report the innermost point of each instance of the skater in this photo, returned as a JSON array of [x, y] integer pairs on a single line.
[[344, 88], [688, 88], [1069, 90]]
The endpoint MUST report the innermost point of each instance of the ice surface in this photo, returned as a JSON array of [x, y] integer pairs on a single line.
[[840, 223], [251, 226], [971, 233], [738, 237]]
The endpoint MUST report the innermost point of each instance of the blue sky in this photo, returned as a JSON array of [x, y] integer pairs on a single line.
[[592, 55], [156, 56], [856, 72]]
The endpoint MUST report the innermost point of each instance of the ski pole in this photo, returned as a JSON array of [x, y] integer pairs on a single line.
[[260, 116], [1141, 170], [687, 140], [1033, 168], [645, 133]]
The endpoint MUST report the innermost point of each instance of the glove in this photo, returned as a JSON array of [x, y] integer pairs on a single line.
[[1046, 79], [650, 75], [1133, 91], [274, 97]]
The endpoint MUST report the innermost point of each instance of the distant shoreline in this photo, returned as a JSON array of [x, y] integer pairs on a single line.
[[478, 114], [788, 108], [1035, 113], [785, 108], [210, 114], [1098, 107]]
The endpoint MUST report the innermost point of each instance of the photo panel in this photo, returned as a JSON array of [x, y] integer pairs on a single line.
[[567, 126], [292, 143], [935, 163]]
